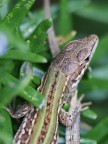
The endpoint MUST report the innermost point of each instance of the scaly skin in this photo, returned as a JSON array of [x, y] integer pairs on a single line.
[[61, 81]]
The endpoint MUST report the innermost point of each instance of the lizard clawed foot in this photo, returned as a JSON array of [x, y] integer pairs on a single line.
[[22, 110], [83, 106]]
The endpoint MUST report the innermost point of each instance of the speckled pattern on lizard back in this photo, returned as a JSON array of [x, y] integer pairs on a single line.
[[40, 126]]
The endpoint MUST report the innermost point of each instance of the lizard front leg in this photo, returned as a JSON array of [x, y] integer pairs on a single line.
[[67, 118]]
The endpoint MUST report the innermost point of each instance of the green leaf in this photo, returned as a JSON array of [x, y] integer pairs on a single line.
[[87, 141], [6, 127], [101, 73], [14, 87], [89, 114], [4, 7], [36, 80], [65, 9], [105, 141], [97, 95], [97, 12], [2, 2], [5, 120], [64, 16], [99, 131], [93, 84], [12, 39], [30, 23], [5, 138], [24, 56], [76, 5], [37, 40], [32, 96], [17, 13]]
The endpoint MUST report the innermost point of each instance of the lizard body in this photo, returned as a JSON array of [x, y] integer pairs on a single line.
[[59, 85]]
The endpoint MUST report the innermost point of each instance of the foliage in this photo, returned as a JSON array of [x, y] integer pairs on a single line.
[[25, 57]]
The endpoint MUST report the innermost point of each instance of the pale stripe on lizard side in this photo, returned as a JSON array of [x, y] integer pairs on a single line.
[[61, 77]]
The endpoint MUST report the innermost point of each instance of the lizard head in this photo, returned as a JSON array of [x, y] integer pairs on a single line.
[[76, 56]]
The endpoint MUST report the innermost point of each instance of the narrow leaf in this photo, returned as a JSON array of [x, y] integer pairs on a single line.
[[24, 56], [12, 87], [16, 87], [12, 39], [101, 73], [64, 17], [17, 13], [6, 127], [89, 114], [97, 12], [99, 131], [94, 83], [37, 40], [87, 141]]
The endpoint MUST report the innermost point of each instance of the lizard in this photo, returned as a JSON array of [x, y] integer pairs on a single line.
[[72, 132], [58, 86]]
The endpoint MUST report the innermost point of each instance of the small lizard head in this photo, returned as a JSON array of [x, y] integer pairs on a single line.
[[76, 56]]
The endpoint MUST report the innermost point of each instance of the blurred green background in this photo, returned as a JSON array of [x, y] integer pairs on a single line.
[[23, 46]]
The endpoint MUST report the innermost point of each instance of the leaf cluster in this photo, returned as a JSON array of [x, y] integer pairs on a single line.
[[25, 57]]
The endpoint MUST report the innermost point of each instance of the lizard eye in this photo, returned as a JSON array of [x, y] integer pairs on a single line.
[[74, 81], [87, 59]]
